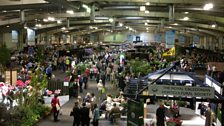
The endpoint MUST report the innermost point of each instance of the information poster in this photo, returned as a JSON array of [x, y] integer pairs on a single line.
[[182, 39], [31, 36], [135, 113], [15, 37], [158, 38], [170, 38], [196, 39]]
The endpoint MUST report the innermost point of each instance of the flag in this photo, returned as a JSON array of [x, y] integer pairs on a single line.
[[170, 52]]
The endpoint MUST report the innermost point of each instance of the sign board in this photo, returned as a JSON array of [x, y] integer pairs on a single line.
[[213, 83], [204, 92], [66, 84], [15, 36], [8, 77], [135, 113], [170, 38]]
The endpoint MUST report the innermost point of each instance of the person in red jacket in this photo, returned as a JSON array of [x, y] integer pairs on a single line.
[[55, 107]]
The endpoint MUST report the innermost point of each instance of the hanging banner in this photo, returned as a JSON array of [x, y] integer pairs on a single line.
[[158, 38], [15, 38], [196, 39], [184, 91], [30, 36], [170, 38], [130, 38], [182, 39]]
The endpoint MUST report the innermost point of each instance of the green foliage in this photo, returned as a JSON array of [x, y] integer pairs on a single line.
[[4, 55], [139, 66], [30, 110]]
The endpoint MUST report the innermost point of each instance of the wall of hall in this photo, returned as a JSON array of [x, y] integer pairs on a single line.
[[7, 40], [125, 36]]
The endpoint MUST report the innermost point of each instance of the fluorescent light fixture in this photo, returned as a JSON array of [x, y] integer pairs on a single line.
[[146, 23], [213, 25], [59, 21], [63, 28], [176, 24], [169, 27], [147, 3], [111, 20], [121, 24], [38, 25], [208, 6], [147, 20], [85, 6], [70, 11], [186, 12], [126, 27], [88, 10], [51, 19], [45, 20], [186, 18], [146, 11], [142, 8]]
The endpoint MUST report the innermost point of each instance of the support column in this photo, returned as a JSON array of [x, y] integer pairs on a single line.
[[68, 23], [22, 16], [92, 14], [171, 13]]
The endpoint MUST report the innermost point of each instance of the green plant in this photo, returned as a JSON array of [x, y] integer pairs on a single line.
[[139, 66]]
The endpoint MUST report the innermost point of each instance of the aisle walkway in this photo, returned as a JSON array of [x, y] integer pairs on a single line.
[[66, 120]]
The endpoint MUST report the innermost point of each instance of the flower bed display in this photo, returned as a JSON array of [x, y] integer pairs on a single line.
[[174, 122]]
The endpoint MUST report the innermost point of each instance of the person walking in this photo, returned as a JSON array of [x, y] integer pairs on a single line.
[[96, 115], [160, 115], [55, 107], [76, 113], [85, 112]]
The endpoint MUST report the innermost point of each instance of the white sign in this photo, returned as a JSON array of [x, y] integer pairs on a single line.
[[185, 91], [66, 84], [31, 36], [15, 36], [213, 84]]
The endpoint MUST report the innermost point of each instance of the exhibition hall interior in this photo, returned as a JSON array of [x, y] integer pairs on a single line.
[[111, 62]]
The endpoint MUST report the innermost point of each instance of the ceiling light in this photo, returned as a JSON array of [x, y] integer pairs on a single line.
[[213, 25], [147, 20], [88, 10], [146, 11], [175, 24], [25, 27], [186, 18], [96, 27], [85, 6], [186, 12], [63, 28], [4, 11], [7, 26], [169, 27], [45, 20], [121, 24], [208, 6], [38, 25], [142, 8], [70, 11], [147, 3], [147, 28], [126, 27], [146, 23], [111, 20], [59, 21], [51, 19]]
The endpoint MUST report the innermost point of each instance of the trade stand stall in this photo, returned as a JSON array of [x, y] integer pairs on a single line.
[[179, 97]]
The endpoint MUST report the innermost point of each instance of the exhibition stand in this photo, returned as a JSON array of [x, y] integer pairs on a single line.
[[177, 87]]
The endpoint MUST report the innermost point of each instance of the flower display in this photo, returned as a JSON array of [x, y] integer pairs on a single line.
[[174, 122]]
